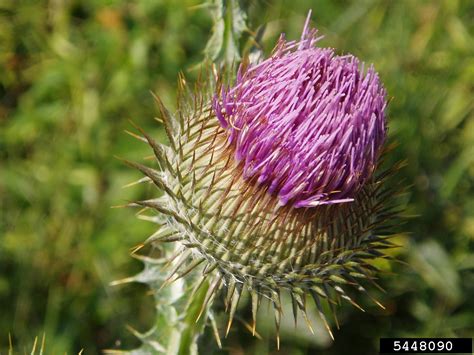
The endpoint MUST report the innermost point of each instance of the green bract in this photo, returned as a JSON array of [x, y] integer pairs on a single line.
[[232, 236]]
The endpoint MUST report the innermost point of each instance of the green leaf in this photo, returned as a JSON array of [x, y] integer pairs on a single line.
[[229, 24], [435, 266]]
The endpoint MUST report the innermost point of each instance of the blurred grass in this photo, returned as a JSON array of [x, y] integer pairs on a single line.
[[73, 72]]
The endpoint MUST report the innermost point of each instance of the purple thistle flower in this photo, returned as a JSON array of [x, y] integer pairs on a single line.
[[306, 128], [306, 123]]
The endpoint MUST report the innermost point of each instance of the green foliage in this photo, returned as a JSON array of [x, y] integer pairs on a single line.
[[72, 74], [229, 25]]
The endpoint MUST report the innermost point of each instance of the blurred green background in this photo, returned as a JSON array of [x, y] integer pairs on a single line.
[[73, 72]]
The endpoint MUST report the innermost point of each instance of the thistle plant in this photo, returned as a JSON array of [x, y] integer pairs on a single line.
[[270, 184]]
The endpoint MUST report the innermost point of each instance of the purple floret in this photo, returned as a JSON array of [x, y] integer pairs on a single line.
[[306, 123]]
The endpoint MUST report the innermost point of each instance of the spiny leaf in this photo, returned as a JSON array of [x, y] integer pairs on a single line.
[[229, 24]]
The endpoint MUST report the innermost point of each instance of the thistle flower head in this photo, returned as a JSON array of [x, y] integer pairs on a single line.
[[306, 123], [273, 184]]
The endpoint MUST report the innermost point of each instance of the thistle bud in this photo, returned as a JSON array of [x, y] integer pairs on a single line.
[[270, 185]]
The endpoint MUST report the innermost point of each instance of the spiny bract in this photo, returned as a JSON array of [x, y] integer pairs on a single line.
[[270, 185]]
